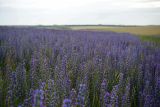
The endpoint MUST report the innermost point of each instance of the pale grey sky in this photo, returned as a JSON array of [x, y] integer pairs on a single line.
[[49, 12]]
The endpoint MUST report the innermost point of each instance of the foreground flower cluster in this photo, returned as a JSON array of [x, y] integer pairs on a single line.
[[60, 68]]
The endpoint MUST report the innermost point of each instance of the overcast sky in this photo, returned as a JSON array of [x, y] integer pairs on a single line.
[[49, 12]]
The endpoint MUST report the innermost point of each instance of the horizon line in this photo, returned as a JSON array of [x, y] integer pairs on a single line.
[[80, 25]]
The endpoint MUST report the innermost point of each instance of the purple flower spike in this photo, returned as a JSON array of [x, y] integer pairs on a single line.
[[126, 97], [148, 101], [66, 103], [107, 98], [81, 95], [103, 91], [114, 96], [38, 98], [73, 97], [104, 84]]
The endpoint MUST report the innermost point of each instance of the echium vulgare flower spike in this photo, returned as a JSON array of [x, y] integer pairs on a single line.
[[21, 79], [11, 91], [104, 85], [157, 92], [103, 90], [50, 93], [45, 69], [157, 77], [107, 97], [148, 101], [140, 76], [157, 74], [73, 96], [51, 97], [64, 63], [50, 85], [120, 79], [114, 96], [38, 98], [42, 85], [126, 96], [9, 98], [66, 103], [67, 85], [147, 74], [81, 95], [147, 88], [32, 74], [27, 102]]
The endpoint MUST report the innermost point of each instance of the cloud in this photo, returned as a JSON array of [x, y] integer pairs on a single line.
[[149, 0], [78, 11]]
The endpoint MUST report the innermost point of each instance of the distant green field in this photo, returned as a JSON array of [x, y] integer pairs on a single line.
[[138, 30], [146, 33], [155, 39]]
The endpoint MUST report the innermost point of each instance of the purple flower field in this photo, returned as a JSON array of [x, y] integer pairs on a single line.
[[64, 68]]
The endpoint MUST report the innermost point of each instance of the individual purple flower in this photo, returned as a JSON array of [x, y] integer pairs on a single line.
[[38, 98], [11, 89], [157, 92], [33, 73], [68, 85], [121, 77], [114, 96], [73, 97], [64, 64], [66, 103], [51, 96], [104, 85], [21, 80], [81, 95], [126, 97], [107, 98], [103, 91], [148, 101], [42, 85], [147, 88]]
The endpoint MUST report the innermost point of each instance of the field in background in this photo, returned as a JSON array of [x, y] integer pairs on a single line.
[[146, 33], [137, 30]]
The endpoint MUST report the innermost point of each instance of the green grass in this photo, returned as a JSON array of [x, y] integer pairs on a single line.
[[155, 39]]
